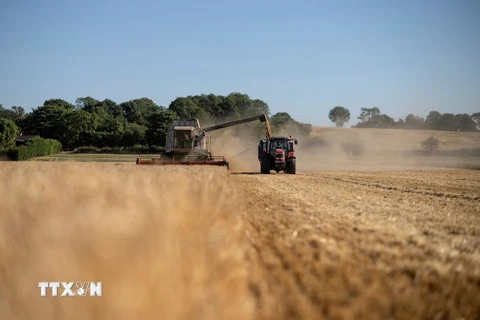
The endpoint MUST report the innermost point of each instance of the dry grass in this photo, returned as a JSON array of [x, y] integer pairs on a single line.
[[387, 149], [395, 140], [164, 242]]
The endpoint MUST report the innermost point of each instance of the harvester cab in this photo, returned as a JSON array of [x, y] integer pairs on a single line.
[[277, 153], [184, 136], [187, 144]]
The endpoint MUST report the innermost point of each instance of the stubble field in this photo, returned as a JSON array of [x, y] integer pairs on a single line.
[[202, 243]]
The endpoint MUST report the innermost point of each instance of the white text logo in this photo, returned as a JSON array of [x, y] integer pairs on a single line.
[[71, 289]]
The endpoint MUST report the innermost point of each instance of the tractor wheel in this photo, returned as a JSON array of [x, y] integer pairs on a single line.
[[265, 166], [291, 166]]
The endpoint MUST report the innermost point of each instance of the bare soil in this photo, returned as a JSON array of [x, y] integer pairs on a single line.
[[198, 243]]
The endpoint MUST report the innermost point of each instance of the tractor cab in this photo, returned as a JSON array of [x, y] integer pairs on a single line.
[[270, 146], [277, 153], [278, 144], [284, 143]]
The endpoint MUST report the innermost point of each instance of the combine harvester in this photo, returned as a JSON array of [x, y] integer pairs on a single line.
[[187, 144]]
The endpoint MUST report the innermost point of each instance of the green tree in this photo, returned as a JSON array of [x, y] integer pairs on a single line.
[[228, 107], [476, 119], [8, 132], [49, 122], [81, 129], [282, 121], [112, 108], [447, 122], [414, 122], [465, 123], [382, 121], [210, 103], [134, 134], [210, 109], [431, 144], [368, 113], [258, 106], [399, 124], [433, 120], [110, 131], [372, 118], [238, 105], [19, 113], [339, 115], [16, 114], [139, 110], [186, 108], [92, 105], [59, 103], [87, 104], [158, 124]]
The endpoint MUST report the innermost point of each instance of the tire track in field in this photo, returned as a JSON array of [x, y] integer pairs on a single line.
[[293, 252], [390, 187], [284, 290], [327, 248]]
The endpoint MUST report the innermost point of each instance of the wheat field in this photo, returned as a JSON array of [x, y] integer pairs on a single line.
[[207, 243], [164, 242]]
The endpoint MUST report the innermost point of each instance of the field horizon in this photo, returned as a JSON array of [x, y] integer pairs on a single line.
[[400, 139]]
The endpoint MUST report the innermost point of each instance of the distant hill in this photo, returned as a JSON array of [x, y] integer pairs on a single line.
[[386, 149], [397, 139]]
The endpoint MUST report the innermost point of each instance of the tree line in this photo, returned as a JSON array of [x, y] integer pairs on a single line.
[[373, 118], [105, 123]]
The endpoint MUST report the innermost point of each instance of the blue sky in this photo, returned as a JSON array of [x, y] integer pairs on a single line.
[[301, 57]]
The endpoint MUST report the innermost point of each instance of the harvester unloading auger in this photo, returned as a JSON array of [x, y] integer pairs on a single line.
[[187, 144]]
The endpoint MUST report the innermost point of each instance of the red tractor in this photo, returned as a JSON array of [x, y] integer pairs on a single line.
[[277, 153]]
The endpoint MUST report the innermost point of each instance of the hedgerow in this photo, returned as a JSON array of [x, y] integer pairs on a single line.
[[36, 147]]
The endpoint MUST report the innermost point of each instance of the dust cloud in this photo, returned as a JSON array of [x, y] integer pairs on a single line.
[[239, 150], [386, 149], [357, 149]]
